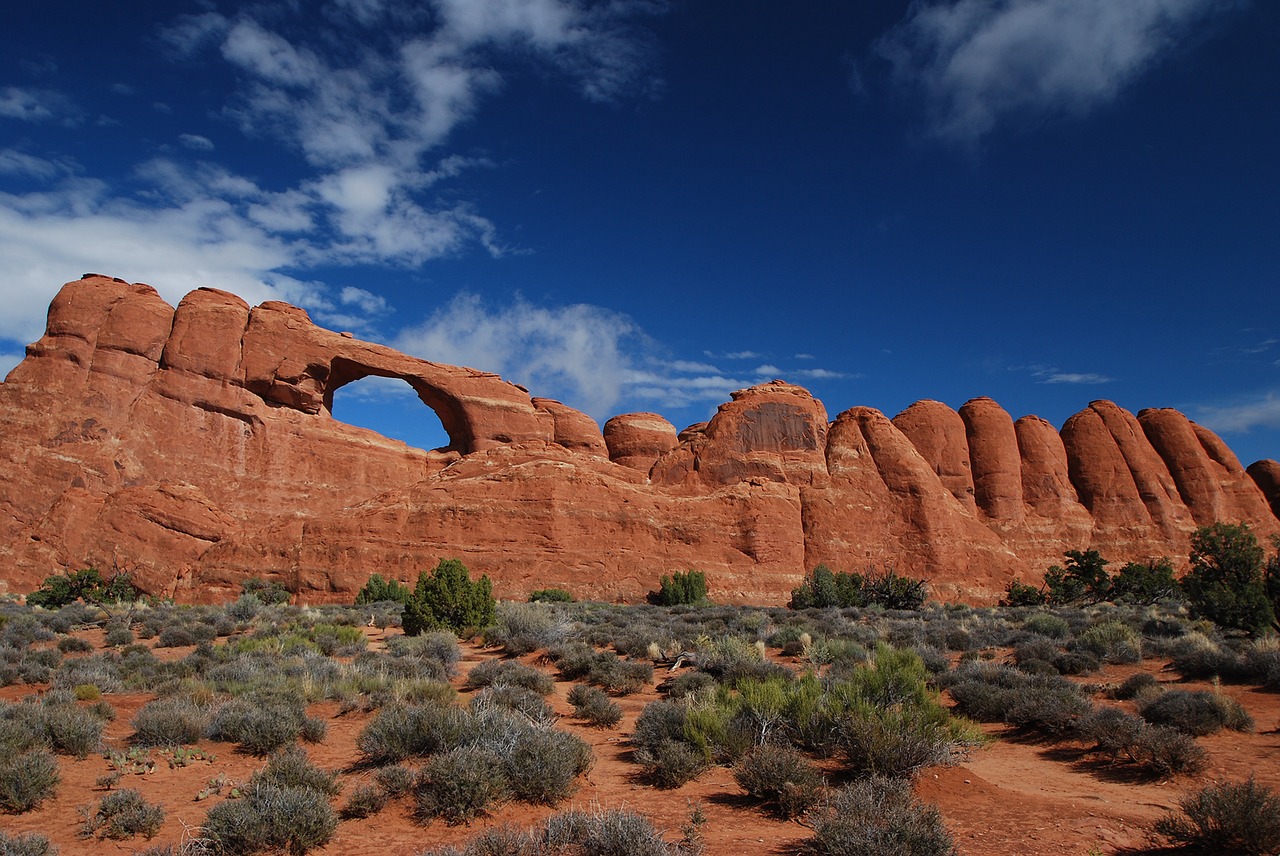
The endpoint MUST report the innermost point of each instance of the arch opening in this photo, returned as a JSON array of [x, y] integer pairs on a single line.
[[391, 407]]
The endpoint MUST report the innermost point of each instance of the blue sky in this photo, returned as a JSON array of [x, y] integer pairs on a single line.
[[644, 205]]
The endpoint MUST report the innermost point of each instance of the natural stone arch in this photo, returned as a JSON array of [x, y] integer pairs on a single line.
[[452, 413]]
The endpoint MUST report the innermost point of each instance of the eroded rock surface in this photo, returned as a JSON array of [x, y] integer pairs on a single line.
[[195, 446]]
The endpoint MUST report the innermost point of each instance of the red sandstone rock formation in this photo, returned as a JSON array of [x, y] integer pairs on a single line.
[[195, 446]]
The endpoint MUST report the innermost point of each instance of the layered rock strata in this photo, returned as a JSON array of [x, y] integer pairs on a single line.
[[195, 446]]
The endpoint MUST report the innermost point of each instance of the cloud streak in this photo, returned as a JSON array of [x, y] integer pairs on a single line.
[[1262, 411], [980, 63]]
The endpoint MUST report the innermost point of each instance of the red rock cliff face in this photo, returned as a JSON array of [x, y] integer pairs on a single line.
[[195, 446]]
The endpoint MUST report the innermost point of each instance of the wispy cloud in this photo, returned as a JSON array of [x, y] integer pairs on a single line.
[[36, 105], [1054, 375], [196, 142], [1076, 378], [979, 63], [1261, 411]]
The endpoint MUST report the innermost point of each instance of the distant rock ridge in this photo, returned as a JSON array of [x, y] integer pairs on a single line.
[[195, 446]]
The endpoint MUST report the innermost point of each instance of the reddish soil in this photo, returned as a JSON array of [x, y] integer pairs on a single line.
[[1013, 796]]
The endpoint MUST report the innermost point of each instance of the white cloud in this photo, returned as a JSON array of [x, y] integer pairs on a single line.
[[1259, 412], [1075, 377], [195, 142], [981, 62], [14, 162], [33, 105]]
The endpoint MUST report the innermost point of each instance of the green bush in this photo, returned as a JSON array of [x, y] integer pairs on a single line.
[[1021, 594], [378, 590], [1048, 625], [551, 595], [1228, 818], [1226, 583], [1082, 578], [27, 779], [879, 817], [461, 784], [268, 592], [823, 588], [268, 817], [448, 599], [688, 587], [1145, 582], [123, 814], [88, 584]]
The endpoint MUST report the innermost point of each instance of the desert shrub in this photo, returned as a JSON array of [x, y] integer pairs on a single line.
[[270, 817], [603, 832], [1135, 685], [1229, 817], [438, 650], [1197, 656], [782, 776], [1226, 582], [897, 741], [448, 599], [617, 676], [119, 633], [175, 636], [672, 763], [27, 778], [572, 659], [526, 702], [681, 588], [174, 721], [378, 590], [878, 817], [399, 732], [123, 814], [364, 801], [30, 844], [689, 683], [1167, 751], [593, 706], [524, 627], [268, 592], [291, 768], [542, 766], [260, 723], [461, 784], [72, 729], [551, 595], [1112, 730], [74, 645], [1196, 713], [509, 673], [1112, 641], [1000, 694], [394, 780]]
